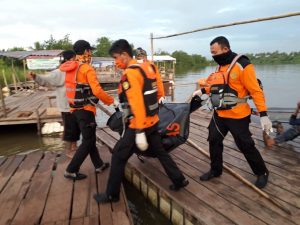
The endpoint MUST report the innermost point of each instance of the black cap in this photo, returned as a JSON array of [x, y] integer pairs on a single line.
[[80, 46], [68, 54]]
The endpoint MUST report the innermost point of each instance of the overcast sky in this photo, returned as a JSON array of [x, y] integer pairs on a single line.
[[22, 22]]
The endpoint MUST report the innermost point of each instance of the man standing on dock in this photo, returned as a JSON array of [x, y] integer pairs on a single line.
[[139, 95], [83, 91], [56, 78], [141, 57], [229, 88]]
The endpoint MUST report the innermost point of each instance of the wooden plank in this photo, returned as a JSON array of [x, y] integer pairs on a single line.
[[195, 206], [17, 187], [60, 194], [274, 190], [93, 208], [287, 179], [102, 178], [2, 160], [228, 188], [120, 218], [77, 221], [92, 220], [8, 169], [81, 194], [210, 198], [32, 206]]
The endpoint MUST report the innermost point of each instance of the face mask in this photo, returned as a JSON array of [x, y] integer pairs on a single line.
[[119, 64], [85, 58], [140, 61], [225, 58]]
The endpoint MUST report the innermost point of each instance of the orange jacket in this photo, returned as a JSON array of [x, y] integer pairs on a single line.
[[134, 94], [87, 75], [243, 80]]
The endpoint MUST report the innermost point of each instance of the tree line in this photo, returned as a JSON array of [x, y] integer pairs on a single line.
[[183, 59]]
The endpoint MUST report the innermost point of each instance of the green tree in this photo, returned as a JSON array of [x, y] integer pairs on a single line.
[[37, 46], [15, 49], [65, 43], [103, 45]]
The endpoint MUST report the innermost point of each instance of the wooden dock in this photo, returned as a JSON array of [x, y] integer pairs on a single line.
[[30, 107], [224, 200], [34, 191]]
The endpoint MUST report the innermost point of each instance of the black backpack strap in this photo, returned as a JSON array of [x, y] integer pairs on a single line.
[[135, 66]]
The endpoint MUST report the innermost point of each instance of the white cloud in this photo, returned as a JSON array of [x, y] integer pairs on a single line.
[[24, 22], [225, 10]]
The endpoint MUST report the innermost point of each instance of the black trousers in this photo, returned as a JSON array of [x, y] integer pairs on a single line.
[[126, 146], [87, 125], [239, 128], [71, 128]]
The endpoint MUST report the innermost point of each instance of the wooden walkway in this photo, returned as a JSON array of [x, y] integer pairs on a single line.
[[30, 107], [34, 191], [224, 200]]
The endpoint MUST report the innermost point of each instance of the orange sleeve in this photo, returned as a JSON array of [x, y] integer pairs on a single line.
[[160, 85], [96, 87], [135, 97], [249, 80]]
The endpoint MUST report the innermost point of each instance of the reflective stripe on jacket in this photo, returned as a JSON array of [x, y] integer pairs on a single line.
[[132, 83]]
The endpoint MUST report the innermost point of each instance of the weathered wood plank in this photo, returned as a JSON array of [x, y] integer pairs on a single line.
[[17, 187], [32, 206], [60, 194], [82, 192], [8, 168], [200, 209], [102, 178], [120, 218], [2, 160], [274, 190]]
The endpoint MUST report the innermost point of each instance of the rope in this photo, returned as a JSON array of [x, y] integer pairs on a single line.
[[232, 24]]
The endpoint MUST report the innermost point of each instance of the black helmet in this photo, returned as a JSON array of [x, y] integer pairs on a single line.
[[115, 122]]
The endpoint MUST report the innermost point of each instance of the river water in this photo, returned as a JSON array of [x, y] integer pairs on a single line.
[[281, 88]]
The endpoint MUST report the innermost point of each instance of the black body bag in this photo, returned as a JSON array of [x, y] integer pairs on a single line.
[[173, 126]]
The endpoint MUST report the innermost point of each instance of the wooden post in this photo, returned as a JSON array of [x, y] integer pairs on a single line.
[[4, 78], [3, 101], [152, 51], [38, 119], [13, 75], [24, 70]]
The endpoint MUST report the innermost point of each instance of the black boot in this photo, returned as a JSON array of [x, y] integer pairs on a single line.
[[176, 187], [104, 198], [262, 180], [209, 175]]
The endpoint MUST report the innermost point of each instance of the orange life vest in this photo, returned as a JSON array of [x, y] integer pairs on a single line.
[[78, 94], [222, 96], [149, 89]]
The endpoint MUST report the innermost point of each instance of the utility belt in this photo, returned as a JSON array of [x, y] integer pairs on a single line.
[[222, 96], [83, 96]]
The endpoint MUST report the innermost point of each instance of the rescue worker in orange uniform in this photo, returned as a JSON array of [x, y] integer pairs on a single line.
[[83, 92], [232, 112], [138, 95], [141, 57]]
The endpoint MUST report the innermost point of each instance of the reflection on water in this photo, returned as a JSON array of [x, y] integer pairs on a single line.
[[16, 139], [143, 213]]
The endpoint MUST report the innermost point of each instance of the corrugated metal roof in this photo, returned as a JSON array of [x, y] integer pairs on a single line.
[[97, 59], [24, 54], [161, 58]]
